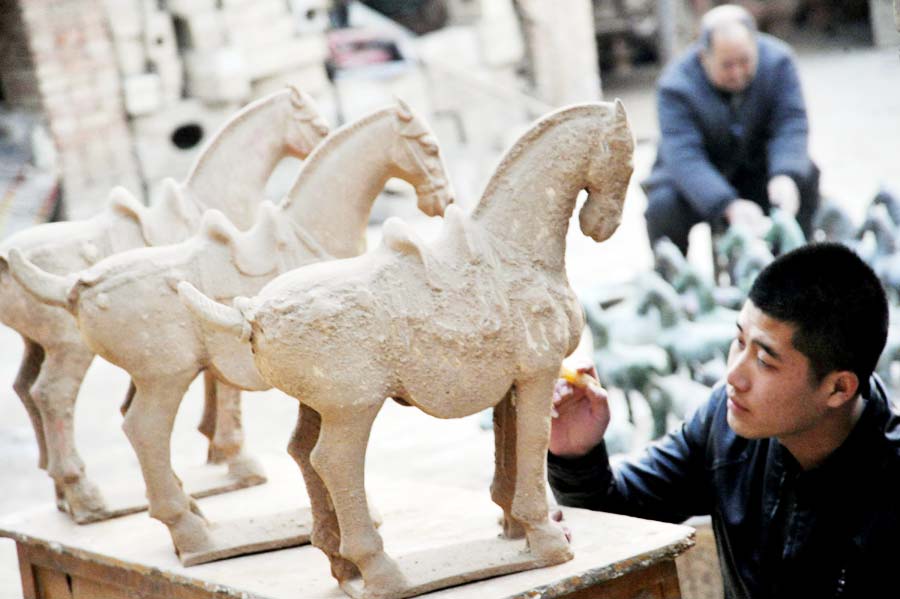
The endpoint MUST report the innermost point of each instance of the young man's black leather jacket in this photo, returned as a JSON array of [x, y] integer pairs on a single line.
[[831, 531]]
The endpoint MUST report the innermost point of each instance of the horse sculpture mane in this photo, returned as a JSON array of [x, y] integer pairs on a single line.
[[315, 160], [336, 139], [299, 100], [514, 153]]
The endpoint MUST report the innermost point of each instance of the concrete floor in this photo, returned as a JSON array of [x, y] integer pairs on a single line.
[[853, 94]]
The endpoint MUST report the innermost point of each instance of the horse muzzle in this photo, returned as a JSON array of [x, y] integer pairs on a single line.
[[434, 197]]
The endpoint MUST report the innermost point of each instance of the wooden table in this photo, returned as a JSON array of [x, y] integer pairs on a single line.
[[616, 557]]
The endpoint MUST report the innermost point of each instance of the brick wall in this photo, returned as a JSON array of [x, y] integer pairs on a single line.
[[68, 68]]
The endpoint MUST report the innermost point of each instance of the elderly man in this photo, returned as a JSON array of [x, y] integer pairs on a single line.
[[733, 133]]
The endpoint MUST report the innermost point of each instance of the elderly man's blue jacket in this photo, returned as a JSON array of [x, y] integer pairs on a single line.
[[831, 531], [705, 138]]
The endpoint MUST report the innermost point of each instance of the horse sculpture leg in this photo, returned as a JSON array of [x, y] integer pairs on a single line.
[[28, 373], [207, 425], [54, 393], [504, 482], [545, 540], [148, 426], [221, 420], [221, 424], [326, 534], [339, 459]]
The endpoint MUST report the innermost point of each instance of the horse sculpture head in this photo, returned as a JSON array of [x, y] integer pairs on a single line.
[[417, 158], [305, 128], [608, 175]]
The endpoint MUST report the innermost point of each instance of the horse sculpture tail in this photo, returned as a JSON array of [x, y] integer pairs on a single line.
[[212, 313], [49, 288]]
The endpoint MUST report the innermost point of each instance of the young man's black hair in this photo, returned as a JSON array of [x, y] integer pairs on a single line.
[[836, 302]]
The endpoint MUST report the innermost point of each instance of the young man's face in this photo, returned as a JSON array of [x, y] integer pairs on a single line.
[[730, 63], [770, 393]]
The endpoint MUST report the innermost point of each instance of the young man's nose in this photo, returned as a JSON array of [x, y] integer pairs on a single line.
[[735, 375]]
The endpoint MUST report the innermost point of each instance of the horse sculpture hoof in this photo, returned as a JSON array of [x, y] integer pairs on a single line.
[[382, 577], [247, 470], [190, 533], [548, 544], [83, 501]]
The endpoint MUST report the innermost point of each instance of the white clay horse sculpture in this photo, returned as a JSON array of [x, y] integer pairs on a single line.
[[324, 216], [230, 173], [481, 317]]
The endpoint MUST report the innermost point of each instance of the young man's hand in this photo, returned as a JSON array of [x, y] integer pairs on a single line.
[[580, 415]]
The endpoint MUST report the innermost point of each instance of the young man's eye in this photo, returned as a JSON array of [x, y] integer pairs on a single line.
[[762, 362]]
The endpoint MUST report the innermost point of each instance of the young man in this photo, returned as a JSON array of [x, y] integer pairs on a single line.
[[733, 133], [796, 456]]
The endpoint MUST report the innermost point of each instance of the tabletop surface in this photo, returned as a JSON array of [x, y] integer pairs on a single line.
[[415, 517]]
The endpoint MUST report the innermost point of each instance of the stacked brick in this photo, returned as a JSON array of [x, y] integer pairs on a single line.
[[70, 72], [24, 189], [18, 81], [132, 89], [187, 65], [480, 40], [472, 72]]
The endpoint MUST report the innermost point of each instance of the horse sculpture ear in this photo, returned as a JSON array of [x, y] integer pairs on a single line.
[[303, 102], [403, 111], [620, 112], [411, 127], [298, 97]]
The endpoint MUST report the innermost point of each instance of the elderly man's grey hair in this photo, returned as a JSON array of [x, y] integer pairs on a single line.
[[724, 17]]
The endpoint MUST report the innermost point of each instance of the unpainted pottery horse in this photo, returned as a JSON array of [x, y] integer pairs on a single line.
[[56, 359], [481, 317], [323, 217]]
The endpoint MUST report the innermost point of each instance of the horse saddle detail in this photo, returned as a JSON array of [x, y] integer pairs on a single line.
[[167, 221], [254, 253]]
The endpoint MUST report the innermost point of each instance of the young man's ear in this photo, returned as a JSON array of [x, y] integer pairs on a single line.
[[843, 385]]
